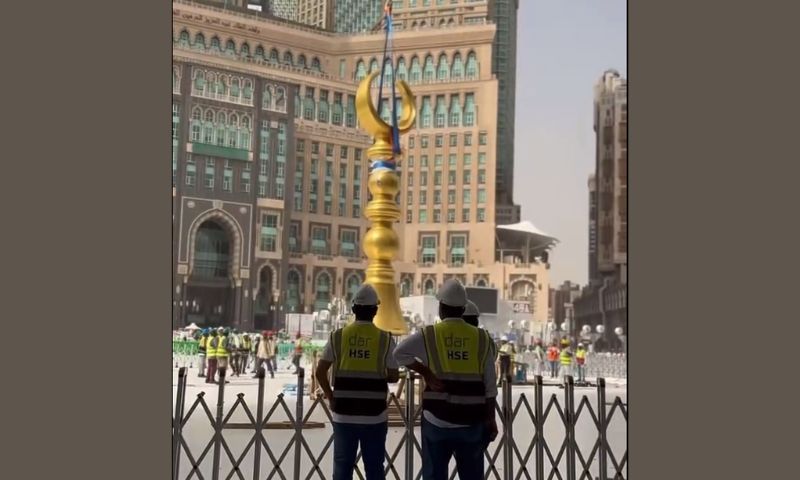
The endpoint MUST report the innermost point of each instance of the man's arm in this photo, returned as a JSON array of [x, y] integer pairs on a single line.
[[490, 384], [411, 353], [322, 377]]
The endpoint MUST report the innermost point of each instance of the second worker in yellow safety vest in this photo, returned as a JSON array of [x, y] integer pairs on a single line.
[[458, 402], [362, 358]]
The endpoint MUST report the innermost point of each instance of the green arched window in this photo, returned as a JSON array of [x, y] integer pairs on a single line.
[[373, 66], [425, 117], [402, 72], [441, 112], [443, 71], [361, 71], [199, 42], [416, 70], [428, 69], [472, 66], [458, 67], [215, 45], [455, 111], [293, 291], [183, 39], [469, 110]]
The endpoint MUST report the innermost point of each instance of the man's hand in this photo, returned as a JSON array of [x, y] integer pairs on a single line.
[[432, 381], [491, 429]]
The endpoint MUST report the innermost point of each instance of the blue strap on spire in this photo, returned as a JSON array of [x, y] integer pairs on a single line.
[[387, 46]]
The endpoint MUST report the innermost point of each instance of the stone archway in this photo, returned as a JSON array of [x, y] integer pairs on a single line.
[[265, 307], [234, 230]]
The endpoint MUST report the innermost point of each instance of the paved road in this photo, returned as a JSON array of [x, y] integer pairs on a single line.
[[198, 431]]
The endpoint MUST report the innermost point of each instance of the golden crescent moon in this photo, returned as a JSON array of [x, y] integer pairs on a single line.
[[368, 116]]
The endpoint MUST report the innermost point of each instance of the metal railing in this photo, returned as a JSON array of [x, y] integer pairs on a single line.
[[529, 445]]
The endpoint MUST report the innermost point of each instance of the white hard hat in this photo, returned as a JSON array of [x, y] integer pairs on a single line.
[[512, 342], [504, 338], [452, 293], [366, 296], [580, 344], [471, 309]]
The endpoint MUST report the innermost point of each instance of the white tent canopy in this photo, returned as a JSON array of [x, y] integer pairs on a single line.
[[193, 326], [529, 228]]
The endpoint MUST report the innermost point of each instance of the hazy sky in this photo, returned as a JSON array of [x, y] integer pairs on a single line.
[[563, 46]]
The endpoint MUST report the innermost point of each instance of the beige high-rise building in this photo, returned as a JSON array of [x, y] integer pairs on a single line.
[[270, 169]]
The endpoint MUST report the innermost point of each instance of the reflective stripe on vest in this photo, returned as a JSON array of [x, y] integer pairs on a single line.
[[222, 349], [211, 350], [566, 358], [457, 354], [359, 369]]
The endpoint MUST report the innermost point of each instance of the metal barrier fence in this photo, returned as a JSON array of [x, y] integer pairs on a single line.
[[606, 365], [541, 438]]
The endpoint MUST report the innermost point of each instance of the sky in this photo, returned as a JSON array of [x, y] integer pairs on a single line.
[[563, 47]]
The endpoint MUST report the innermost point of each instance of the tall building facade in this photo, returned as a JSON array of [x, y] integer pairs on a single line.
[[270, 168], [354, 16], [504, 65], [604, 301]]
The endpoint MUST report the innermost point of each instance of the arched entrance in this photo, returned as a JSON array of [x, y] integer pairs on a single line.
[[210, 285], [264, 307], [353, 284], [293, 292]]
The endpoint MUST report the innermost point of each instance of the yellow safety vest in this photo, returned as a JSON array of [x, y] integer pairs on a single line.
[[202, 343], [457, 354], [359, 376], [222, 351], [211, 351], [566, 358], [580, 354]]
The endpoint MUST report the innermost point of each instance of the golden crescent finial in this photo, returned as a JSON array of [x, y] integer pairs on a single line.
[[368, 116]]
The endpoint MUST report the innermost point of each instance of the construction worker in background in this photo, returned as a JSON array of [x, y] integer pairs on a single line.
[[580, 363], [506, 354], [265, 353], [566, 355], [472, 316], [223, 351], [298, 353], [458, 401], [234, 351], [211, 355], [552, 359], [362, 357], [247, 344], [201, 353], [538, 357], [254, 350]]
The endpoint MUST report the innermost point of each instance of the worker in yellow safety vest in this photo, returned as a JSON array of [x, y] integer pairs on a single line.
[[201, 353], [223, 350], [565, 358], [362, 358], [580, 363], [211, 355], [458, 401]]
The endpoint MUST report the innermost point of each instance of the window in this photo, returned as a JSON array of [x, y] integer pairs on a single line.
[[437, 197], [411, 160], [451, 197], [209, 174], [409, 216], [441, 113], [416, 70], [191, 173], [451, 178], [453, 140], [467, 177], [481, 158], [481, 196], [437, 216], [466, 196], [469, 110], [356, 211], [411, 179], [443, 70], [327, 207], [458, 67], [467, 159], [428, 249], [423, 161], [410, 198], [423, 216], [315, 148], [319, 240], [348, 243], [425, 117], [458, 252], [467, 139], [451, 161], [455, 111], [424, 141], [329, 169], [343, 171], [423, 179], [423, 197], [439, 141], [300, 146], [428, 69], [437, 160], [227, 177], [343, 153], [437, 178], [269, 233], [465, 215], [244, 180], [472, 66], [402, 72], [482, 138], [451, 215], [358, 154], [329, 150], [481, 215]]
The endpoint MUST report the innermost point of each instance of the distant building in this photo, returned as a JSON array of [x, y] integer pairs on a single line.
[[604, 300]]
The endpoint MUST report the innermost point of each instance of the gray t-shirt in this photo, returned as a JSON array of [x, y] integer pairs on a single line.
[[391, 363], [413, 348]]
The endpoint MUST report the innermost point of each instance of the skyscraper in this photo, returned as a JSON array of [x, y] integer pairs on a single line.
[[504, 65], [353, 16], [604, 300]]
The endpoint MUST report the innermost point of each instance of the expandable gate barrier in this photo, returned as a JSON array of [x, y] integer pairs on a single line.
[[505, 459]]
